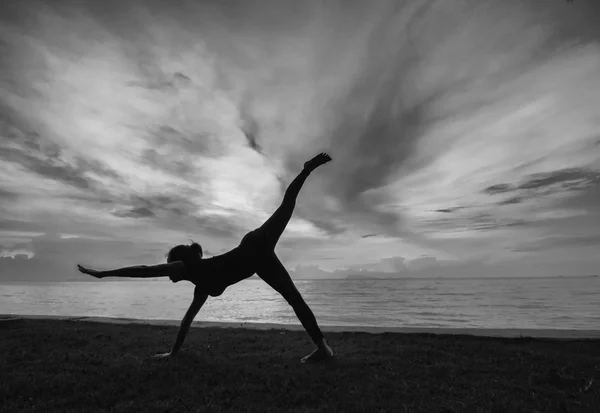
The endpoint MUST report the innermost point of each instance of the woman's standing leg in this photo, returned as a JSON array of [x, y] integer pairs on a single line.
[[272, 271]]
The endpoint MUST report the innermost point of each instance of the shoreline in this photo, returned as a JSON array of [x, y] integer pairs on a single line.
[[555, 334]]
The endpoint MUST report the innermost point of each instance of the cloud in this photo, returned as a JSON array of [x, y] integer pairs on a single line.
[[450, 136], [574, 178], [33, 153], [139, 212], [499, 189], [423, 262], [529, 201], [96, 253], [6, 195], [249, 126], [15, 245], [550, 182], [449, 210], [555, 242], [173, 166], [511, 201]]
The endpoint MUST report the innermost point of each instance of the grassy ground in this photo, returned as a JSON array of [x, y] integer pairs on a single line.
[[70, 366]]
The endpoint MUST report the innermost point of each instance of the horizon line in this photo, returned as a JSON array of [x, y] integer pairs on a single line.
[[360, 278]]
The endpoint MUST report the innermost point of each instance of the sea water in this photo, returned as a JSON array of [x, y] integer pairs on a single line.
[[530, 303]]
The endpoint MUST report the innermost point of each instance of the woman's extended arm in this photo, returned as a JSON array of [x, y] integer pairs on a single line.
[[172, 270], [199, 300]]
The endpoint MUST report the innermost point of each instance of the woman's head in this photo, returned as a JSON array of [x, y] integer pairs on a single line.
[[185, 253]]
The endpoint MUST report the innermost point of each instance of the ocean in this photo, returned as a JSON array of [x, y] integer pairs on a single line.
[[529, 303]]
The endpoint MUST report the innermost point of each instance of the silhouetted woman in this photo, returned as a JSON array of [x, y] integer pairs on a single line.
[[254, 255]]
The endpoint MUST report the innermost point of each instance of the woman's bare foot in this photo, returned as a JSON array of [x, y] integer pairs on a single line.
[[322, 353], [317, 161]]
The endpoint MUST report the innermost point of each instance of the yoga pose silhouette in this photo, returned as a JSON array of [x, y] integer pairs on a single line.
[[254, 255]]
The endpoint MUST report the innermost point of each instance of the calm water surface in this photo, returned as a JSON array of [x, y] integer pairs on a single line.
[[556, 303]]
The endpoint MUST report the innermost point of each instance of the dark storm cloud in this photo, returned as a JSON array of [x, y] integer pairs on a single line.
[[250, 131], [165, 82], [499, 189], [511, 201], [329, 226], [53, 168], [378, 124], [176, 212], [19, 225], [139, 212], [249, 125], [144, 206], [475, 222], [91, 198], [385, 142], [588, 199], [449, 210], [486, 222], [179, 79], [171, 145], [175, 204], [92, 165], [45, 158], [580, 183], [168, 107], [167, 164], [8, 195], [220, 227], [63, 173], [561, 180], [567, 178], [97, 253]]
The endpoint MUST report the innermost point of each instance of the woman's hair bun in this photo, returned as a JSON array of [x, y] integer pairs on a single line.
[[195, 247]]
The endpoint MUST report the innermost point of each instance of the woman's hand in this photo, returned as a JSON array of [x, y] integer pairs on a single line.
[[89, 271], [163, 356]]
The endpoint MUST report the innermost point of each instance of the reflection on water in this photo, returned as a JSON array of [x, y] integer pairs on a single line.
[[556, 303]]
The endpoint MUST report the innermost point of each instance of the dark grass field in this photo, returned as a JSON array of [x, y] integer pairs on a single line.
[[71, 366]]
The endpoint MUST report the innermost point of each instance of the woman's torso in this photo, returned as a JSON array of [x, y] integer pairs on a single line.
[[217, 273]]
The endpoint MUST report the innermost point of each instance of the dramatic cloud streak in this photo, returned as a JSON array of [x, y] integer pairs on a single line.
[[462, 132]]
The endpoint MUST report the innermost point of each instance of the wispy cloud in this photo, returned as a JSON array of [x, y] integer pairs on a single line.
[[455, 128], [560, 242]]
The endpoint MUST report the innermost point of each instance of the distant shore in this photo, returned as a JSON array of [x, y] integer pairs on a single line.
[[480, 332]]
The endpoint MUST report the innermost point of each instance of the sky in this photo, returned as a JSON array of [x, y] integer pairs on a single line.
[[465, 135]]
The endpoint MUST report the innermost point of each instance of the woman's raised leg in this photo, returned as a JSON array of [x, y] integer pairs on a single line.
[[272, 271], [276, 224]]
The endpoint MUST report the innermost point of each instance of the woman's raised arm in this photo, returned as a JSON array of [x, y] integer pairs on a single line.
[[173, 270]]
